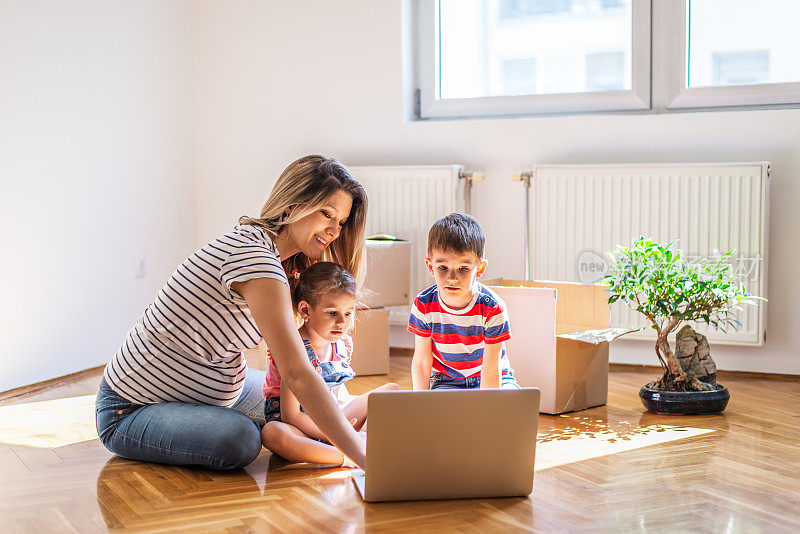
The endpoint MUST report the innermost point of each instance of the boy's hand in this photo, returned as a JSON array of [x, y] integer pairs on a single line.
[[421, 363], [490, 367]]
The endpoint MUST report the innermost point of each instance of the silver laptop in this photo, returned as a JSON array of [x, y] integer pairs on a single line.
[[449, 444]]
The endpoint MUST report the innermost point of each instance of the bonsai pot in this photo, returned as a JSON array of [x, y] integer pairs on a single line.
[[685, 402]]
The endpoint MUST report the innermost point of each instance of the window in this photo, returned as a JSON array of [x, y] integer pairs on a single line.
[[519, 76], [517, 57], [605, 71], [737, 68], [746, 58], [560, 74], [525, 8]]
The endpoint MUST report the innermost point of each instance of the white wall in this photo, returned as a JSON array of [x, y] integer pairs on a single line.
[[148, 127], [276, 80], [95, 166]]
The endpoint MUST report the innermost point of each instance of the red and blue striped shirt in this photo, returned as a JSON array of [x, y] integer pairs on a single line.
[[459, 336]]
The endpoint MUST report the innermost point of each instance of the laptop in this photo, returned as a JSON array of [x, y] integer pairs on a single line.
[[449, 444]]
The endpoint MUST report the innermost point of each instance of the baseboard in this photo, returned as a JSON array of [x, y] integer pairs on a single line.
[[395, 351], [53, 382], [656, 369]]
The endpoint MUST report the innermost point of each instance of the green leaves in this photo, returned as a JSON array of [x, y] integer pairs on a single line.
[[662, 285]]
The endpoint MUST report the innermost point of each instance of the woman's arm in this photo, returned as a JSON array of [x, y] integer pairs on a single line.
[[490, 367], [271, 306], [421, 363], [291, 414]]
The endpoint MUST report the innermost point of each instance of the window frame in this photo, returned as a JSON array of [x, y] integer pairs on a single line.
[[681, 97], [659, 73], [637, 98]]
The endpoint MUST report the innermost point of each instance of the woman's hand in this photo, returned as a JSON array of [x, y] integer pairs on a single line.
[[271, 305]]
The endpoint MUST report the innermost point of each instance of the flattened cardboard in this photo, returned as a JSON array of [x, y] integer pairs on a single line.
[[571, 373], [388, 277], [371, 342]]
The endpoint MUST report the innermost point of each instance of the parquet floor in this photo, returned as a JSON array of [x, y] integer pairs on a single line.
[[608, 469]]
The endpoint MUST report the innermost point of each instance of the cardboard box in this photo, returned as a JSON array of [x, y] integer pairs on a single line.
[[257, 356], [370, 345], [371, 342], [388, 275], [560, 333]]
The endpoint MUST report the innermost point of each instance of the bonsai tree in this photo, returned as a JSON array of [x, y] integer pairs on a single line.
[[665, 288]]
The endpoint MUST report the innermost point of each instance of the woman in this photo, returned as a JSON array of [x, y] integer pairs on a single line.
[[176, 392]]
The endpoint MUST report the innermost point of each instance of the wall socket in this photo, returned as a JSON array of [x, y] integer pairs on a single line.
[[139, 266]]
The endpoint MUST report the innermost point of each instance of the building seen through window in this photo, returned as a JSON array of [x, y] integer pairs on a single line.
[[528, 47]]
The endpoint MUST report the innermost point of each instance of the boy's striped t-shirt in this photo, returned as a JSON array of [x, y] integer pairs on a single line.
[[459, 336], [187, 346]]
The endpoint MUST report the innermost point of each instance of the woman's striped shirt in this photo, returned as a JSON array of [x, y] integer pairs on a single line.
[[188, 344]]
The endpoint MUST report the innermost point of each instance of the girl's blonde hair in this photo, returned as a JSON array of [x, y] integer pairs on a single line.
[[303, 188]]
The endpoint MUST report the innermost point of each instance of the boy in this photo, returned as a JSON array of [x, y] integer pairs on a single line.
[[460, 325]]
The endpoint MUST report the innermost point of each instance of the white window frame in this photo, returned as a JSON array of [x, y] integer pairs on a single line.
[[659, 76], [681, 97], [638, 98]]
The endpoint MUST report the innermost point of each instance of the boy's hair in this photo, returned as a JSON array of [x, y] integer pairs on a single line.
[[321, 278], [457, 232]]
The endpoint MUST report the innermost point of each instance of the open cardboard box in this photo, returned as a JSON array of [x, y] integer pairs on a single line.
[[388, 272], [371, 342], [560, 333], [386, 283]]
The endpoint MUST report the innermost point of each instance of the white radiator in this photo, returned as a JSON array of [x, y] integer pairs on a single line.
[[404, 201], [580, 212]]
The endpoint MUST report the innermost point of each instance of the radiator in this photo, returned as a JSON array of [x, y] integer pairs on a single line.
[[580, 212], [404, 201]]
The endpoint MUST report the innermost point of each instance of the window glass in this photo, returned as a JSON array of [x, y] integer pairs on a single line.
[[519, 76], [741, 42], [530, 47], [605, 71]]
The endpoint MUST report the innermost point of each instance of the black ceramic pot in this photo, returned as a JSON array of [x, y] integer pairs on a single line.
[[685, 402]]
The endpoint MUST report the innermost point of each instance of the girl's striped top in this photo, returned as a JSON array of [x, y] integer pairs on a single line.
[[188, 344], [459, 336]]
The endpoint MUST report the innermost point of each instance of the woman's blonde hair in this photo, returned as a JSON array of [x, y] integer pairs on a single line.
[[303, 188]]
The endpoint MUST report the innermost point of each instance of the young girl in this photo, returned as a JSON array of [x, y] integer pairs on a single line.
[[324, 299]]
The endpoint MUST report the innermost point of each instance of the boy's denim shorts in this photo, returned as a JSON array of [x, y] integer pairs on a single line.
[[442, 381]]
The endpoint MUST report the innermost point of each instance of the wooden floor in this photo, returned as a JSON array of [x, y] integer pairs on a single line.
[[608, 469]]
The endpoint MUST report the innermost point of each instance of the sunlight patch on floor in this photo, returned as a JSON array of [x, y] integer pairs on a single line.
[[339, 475], [48, 424], [569, 445]]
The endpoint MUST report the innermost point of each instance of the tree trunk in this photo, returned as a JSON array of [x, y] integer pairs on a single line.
[[673, 366], [674, 379]]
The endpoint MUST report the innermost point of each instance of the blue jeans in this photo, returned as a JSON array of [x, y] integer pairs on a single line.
[[442, 381], [184, 434]]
